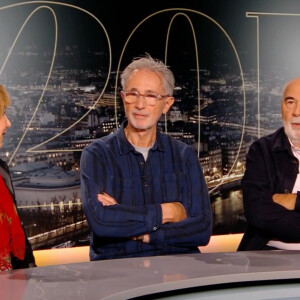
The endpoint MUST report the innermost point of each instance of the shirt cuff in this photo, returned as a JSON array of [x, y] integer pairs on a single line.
[[154, 217], [157, 239], [297, 204]]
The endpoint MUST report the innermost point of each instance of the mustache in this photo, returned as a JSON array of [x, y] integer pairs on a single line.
[[137, 112], [295, 120]]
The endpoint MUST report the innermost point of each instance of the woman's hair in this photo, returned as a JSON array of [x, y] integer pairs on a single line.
[[155, 65], [4, 99]]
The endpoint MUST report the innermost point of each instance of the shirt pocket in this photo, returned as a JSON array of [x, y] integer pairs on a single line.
[[173, 185]]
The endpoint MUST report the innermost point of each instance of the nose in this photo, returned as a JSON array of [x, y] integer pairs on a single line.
[[140, 102], [296, 111], [8, 123]]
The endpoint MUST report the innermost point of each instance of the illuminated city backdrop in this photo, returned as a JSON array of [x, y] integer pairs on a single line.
[[61, 60]]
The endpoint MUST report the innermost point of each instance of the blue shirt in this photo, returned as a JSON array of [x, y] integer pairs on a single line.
[[172, 173]]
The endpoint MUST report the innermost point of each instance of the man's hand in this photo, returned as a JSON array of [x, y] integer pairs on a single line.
[[286, 200], [142, 238], [173, 212], [106, 200]]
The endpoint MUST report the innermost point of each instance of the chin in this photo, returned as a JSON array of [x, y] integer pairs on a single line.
[[294, 136], [141, 126], [292, 133]]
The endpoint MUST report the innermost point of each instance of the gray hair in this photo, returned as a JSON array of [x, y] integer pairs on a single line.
[[154, 65]]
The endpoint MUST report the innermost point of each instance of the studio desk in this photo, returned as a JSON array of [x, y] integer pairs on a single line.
[[219, 275]]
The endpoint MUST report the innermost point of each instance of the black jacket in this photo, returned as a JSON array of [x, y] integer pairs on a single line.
[[29, 260], [270, 168]]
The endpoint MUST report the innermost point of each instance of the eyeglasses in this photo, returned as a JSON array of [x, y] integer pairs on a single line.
[[150, 98]]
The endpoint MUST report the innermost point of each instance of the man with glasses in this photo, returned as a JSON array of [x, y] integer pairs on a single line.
[[144, 193], [271, 184]]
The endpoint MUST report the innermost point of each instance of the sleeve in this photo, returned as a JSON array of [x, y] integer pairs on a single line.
[[297, 205], [115, 221], [259, 184], [196, 229], [29, 260]]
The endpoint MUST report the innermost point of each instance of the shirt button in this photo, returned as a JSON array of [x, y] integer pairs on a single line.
[[154, 228]]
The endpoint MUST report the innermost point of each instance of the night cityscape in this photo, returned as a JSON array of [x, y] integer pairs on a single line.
[[218, 110]]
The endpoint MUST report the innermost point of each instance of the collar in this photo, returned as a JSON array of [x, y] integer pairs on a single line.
[[125, 146], [281, 141], [295, 149], [4, 173]]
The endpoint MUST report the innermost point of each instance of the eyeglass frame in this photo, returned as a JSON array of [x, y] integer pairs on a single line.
[[138, 95]]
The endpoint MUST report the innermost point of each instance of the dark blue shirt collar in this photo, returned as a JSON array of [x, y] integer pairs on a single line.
[[125, 146]]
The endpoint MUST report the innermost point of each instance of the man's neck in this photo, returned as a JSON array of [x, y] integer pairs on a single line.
[[140, 138]]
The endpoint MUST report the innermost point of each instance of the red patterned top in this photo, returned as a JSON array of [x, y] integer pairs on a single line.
[[12, 238]]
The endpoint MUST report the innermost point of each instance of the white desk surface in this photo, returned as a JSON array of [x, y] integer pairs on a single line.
[[133, 277]]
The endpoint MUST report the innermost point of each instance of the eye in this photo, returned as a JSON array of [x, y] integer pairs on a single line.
[[290, 102], [152, 96]]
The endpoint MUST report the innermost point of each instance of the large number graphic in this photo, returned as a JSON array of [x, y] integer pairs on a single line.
[[171, 14]]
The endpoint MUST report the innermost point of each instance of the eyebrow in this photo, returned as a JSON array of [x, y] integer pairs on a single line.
[[289, 98], [146, 91]]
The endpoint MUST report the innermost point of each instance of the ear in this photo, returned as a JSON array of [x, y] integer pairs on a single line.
[[168, 103], [122, 96], [123, 100]]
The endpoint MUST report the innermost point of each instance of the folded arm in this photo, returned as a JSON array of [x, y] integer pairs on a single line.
[[182, 223], [171, 213], [267, 207]]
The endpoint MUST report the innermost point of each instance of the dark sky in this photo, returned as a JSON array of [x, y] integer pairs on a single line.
[[278, 37], [118, 17]]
